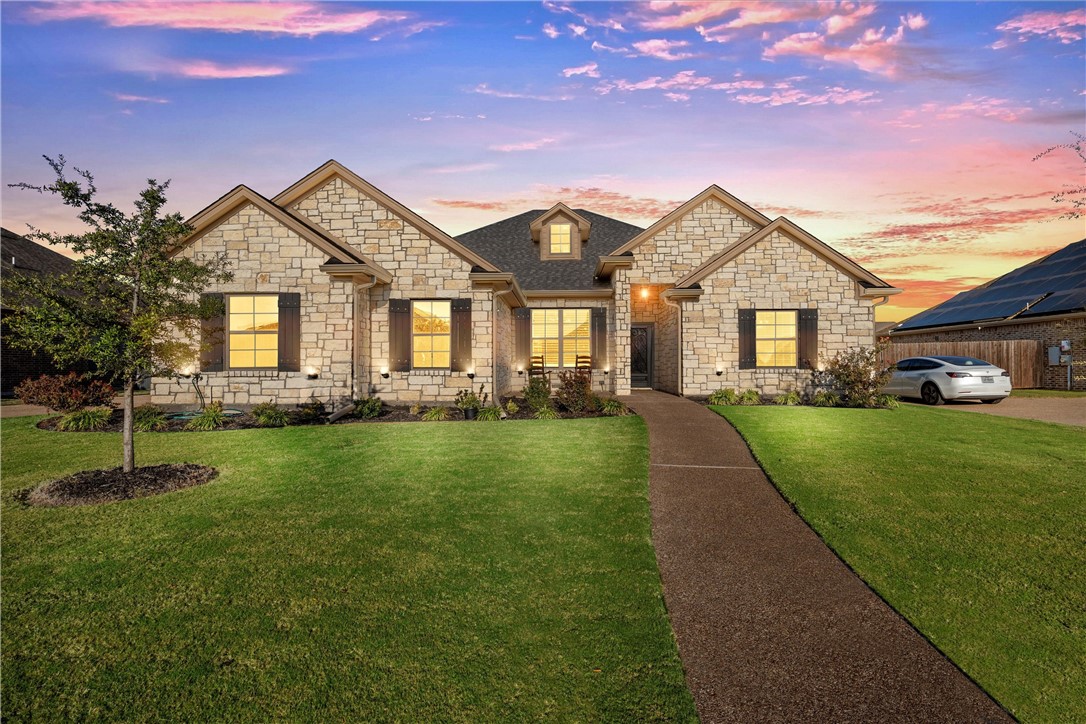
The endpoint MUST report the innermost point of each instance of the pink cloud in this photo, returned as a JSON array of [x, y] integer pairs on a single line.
[[794, 96], [593, 198], [306, 19], [683, 80], [524, 146], [590, 21], [486, 90], [589, 69], [550, 31], [742, 14], [597, 46], [663, 49], [677, 97], [1067, 26], [210, 70], [577, 30], [464, 168], [837, 24], [874, 52], [997, 108], [128, 98]]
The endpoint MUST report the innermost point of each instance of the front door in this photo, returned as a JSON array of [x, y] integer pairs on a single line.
[[640, 355]]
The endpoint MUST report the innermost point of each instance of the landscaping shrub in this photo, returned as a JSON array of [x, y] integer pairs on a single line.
[[415, 409], [490, 413], [887, 402], [574, 389], [85, 420], [825, 398], [547, 412], [538, 393], [311, 412], [469, 400], [148, 418], [858, 375], [792, 397], [750, 397], [269, 414], [65, 393], [210, 418], [512, 407], [436, 414], [368, 408], [726, 396], [613, 407]]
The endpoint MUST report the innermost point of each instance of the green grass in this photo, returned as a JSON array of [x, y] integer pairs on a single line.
[[1047, 393], [411, 572], [973, 529]]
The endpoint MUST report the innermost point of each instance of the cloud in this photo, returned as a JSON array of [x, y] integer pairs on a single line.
[[677, 97], [839, 23], [1068, 26], [957, 224], [486, 90], [577, 30], [210, 70], [589, 69], [662, 49], [590, 21], [524, 145], [306, 19], [597, 46], [740, 15], [550, 31], [874, 51], [683, 80], [128, 98], [592, 198], [999, 109], [476, 205], [929, 292], [794, 96], [463, 168]]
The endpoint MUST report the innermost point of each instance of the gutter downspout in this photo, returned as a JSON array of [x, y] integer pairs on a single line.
[[509, 289]]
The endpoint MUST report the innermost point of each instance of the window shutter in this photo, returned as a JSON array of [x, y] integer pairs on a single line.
[[747, 358], [212, 332], [808, 338], [399, 335], [599, 338], [522, 332], [460, 344], [290, 332]]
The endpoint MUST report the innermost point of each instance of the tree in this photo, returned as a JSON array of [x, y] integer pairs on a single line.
[[1076, 194], [128, 305]]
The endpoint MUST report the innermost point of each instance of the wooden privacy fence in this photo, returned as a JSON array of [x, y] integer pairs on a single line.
[[1023, 358]]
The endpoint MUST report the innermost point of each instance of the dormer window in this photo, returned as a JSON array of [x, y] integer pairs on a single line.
[[560, 239]]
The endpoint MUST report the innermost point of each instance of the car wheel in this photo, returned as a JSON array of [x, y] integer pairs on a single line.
[[930, 394], [996, 401]]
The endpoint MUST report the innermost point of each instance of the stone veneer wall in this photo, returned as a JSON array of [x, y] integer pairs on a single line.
[[266, 257], [776, 273], [422, 269], [665, 321]]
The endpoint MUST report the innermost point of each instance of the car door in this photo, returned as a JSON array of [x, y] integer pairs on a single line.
[[917, 375], [897, 380]]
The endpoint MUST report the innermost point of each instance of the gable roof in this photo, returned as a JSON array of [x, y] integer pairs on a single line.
[[819, 248], [509, 244], [333, 169], [584, 226], [1055, 284], [755, 217], [20, 254]]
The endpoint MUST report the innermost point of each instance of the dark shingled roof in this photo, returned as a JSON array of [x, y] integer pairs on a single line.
[[509, 245], [1055, 284], [17, 253]]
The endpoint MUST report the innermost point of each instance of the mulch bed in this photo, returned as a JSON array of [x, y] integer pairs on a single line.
[[93, 487]]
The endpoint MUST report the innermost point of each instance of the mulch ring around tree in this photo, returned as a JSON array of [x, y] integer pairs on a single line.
[[93, 487]]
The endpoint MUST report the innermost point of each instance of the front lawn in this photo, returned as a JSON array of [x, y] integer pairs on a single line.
[[971, 528], [446, 571]]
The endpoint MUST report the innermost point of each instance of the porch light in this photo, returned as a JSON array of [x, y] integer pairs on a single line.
[[520, 369], [187, 371], [719, 372], [384, 372], [471, 373], [606, 370], [311, 373], [644, 292]]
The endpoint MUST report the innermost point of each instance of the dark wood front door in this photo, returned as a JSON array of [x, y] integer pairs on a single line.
[[641, 356]]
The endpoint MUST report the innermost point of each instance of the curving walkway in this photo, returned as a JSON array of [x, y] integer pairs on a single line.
[[771, 625]]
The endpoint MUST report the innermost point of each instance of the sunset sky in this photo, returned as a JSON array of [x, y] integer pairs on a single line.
[[900, 133]]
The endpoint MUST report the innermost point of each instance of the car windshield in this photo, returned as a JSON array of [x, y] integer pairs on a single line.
[[963, 361]]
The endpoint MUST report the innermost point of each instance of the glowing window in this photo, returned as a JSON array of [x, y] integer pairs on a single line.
[[431, 334], [254, 331], [560, 239], [775, 338], [559, 336]]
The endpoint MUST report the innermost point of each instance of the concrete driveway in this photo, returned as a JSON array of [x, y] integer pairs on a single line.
[[1064, 410]]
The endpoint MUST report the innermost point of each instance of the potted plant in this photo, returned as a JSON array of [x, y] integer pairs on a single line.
[[469, 402]]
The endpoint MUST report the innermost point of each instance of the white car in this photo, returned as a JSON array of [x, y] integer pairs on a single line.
[[939, 378]]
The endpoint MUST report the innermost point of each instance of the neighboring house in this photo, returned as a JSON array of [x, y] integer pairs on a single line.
[[1044, 300], [21, 255], [340, 291]]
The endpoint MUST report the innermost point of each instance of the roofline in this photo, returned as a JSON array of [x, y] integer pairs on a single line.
[[608, 263], [584, 226], [991, 323], [353, 270], [332, 168], [501, 279], [739, 207], [569, 293]]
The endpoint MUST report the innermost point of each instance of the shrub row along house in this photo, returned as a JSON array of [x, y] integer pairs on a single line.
[[340, 291]]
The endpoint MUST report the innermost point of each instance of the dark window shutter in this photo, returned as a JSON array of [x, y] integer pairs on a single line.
[[399, 335], [747, 358], [808, 338], [522, 332], [599, 338], [212, 333], [290, 332], [460, 344]]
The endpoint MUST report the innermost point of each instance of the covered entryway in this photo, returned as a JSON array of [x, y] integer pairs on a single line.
[[641, 355], [654, 339]]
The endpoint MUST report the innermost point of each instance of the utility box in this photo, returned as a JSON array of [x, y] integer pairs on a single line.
[[1053, 355]]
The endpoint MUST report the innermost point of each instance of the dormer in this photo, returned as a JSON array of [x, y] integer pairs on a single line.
[[560, 233]]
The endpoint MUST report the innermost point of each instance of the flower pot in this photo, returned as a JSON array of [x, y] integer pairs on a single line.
[[470, 413]]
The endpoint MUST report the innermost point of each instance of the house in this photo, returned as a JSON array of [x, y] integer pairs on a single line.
[[1044, 301], [340, 291]]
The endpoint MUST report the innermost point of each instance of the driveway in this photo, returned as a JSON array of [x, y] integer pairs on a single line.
[[1064, 410]]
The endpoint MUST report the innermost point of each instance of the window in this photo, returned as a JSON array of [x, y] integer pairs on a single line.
[[560, 239], [560, 335], [254, 331], [431, 334], [775, 338]]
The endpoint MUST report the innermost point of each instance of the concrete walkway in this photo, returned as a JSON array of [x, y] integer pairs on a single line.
[[771, 625]]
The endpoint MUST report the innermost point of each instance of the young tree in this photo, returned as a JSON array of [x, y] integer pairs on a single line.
[[128, 306], [1074, 194]]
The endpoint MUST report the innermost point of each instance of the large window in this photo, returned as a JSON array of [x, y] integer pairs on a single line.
[[560, 239], [775, 338], [254, 331], [560, 335], [431, 334]]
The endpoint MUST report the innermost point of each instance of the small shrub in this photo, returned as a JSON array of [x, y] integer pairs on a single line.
[[750, 397], [489, 414], [87, 420], [211, 417], [149, 418], [368, 408], [593, 403], [825, 398], [887, 402], [547, 412], [310, 412], [415, 409], [726, 396], [512, 407], [469, 400], [269, 414], [613, 407], [858, 374], [436, 414], [538, 392], [65, 393], [574, 389], [792, 397]]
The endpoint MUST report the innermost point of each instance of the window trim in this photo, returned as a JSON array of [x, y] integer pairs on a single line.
[[795, 338], [229, 334], [569, 239], [561, 336], [411, 340]]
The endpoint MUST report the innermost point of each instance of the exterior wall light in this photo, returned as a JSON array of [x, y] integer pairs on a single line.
[[719, 372], [384, 372], [471, 374], [520, 369], [187, 371], [311, 373], [606, 370], [644, 292]]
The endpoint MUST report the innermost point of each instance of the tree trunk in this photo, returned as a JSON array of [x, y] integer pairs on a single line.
[[126, 434]]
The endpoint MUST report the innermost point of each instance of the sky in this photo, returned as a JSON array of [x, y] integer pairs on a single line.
[[903, 134]]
